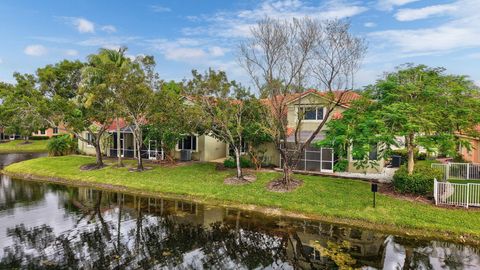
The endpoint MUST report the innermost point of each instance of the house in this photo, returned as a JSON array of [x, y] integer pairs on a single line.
[[202, 147], [473, 154], [312, 105], [50, 132]]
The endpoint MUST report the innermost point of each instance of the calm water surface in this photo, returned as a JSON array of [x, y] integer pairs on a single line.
[[46, 226]]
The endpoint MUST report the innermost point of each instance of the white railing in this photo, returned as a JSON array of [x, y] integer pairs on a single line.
[[456, 194], [460, 171]]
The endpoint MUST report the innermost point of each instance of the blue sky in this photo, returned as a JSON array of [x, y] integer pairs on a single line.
[[183, 35]]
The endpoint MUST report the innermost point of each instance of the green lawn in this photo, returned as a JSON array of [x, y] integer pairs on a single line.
[[20, 146], [330, 198]]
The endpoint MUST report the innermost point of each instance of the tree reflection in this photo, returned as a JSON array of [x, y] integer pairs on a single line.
[[117, 231]]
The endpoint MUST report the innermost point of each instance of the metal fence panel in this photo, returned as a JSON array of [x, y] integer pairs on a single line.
[[456, 194], [460, 171]]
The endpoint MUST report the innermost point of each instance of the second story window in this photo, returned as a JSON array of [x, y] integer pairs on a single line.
[[55, 130], [312, 113]]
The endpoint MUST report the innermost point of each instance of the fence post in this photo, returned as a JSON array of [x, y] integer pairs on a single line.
[[468, 171], [435, 188], [468, 193], [305, 165], [447, 171]]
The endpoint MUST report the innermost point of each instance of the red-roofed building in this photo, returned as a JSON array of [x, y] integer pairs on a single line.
[[312, 105], [472, 154]]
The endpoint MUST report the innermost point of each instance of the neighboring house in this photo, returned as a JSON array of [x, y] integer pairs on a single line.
[[312, 104], [50, 132], [472, 155], [201, 147]]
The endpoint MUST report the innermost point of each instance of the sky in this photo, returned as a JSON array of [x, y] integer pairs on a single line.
[[194, 34]]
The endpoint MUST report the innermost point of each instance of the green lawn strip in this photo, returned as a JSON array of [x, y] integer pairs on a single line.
[[321, 196], [17, 146]]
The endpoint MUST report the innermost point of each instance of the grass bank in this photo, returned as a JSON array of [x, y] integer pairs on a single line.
[[338, 200], [18, 146]]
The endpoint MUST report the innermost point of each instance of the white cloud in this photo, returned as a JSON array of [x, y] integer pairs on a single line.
[[35, 50], [71, 52], [187, 49], [238, 23], [83, 25], [159, 8], [109, 28], [369, 24], [459, 33], [390, 4], [108, 42], [409, 14], [217, 51], [1, 60]]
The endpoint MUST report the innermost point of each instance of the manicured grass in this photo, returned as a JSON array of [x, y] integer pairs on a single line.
[[20, 146], [320, 196]]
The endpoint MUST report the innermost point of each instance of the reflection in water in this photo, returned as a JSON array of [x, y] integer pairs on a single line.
[[55, 226], [85, 228]]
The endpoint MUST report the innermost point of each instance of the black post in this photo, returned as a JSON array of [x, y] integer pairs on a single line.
[[374, 190]]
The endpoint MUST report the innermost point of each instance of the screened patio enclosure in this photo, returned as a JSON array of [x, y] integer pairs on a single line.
[[151, 150], [312, 159]]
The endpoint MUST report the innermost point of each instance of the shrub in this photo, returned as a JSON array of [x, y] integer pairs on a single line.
[[341, 165], [231, 163], [38, 138], [61, 146], [420, 182]]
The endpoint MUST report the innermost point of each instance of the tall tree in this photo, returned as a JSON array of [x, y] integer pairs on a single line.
[[226, 107], [98, 97], [171, 117], [423, 105], [135, 99], [282, 57], [19, 109]]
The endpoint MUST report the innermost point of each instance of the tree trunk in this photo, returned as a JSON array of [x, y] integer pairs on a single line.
[[411, 153], [287, 171], [138, 140], [239, 166], [119, 146], [98, 153]]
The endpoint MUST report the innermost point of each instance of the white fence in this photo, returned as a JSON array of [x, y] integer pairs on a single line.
[[456, 194], [460, 171]]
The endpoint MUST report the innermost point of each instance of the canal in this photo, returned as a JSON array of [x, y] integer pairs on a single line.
[[51, 226]]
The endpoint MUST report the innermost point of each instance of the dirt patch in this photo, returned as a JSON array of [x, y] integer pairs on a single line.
[[234, 181], [279, 186], [91, 167]]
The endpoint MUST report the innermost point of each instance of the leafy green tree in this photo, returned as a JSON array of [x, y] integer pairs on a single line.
[[171, 117], [225, 105], [424, 105], [135, 98], [19, 110]]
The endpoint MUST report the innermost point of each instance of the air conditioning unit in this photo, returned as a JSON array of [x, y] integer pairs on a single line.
[[185, 155]]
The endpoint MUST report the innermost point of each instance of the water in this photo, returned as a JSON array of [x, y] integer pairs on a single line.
[[46, 226]]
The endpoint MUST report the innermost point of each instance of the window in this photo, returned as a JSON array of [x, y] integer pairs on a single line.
[[89, 139], [55, 130], [42, 132], [312, 113], [188, 143]]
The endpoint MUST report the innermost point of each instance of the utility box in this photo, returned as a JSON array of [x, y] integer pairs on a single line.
[[185, 155], [396, 161]]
